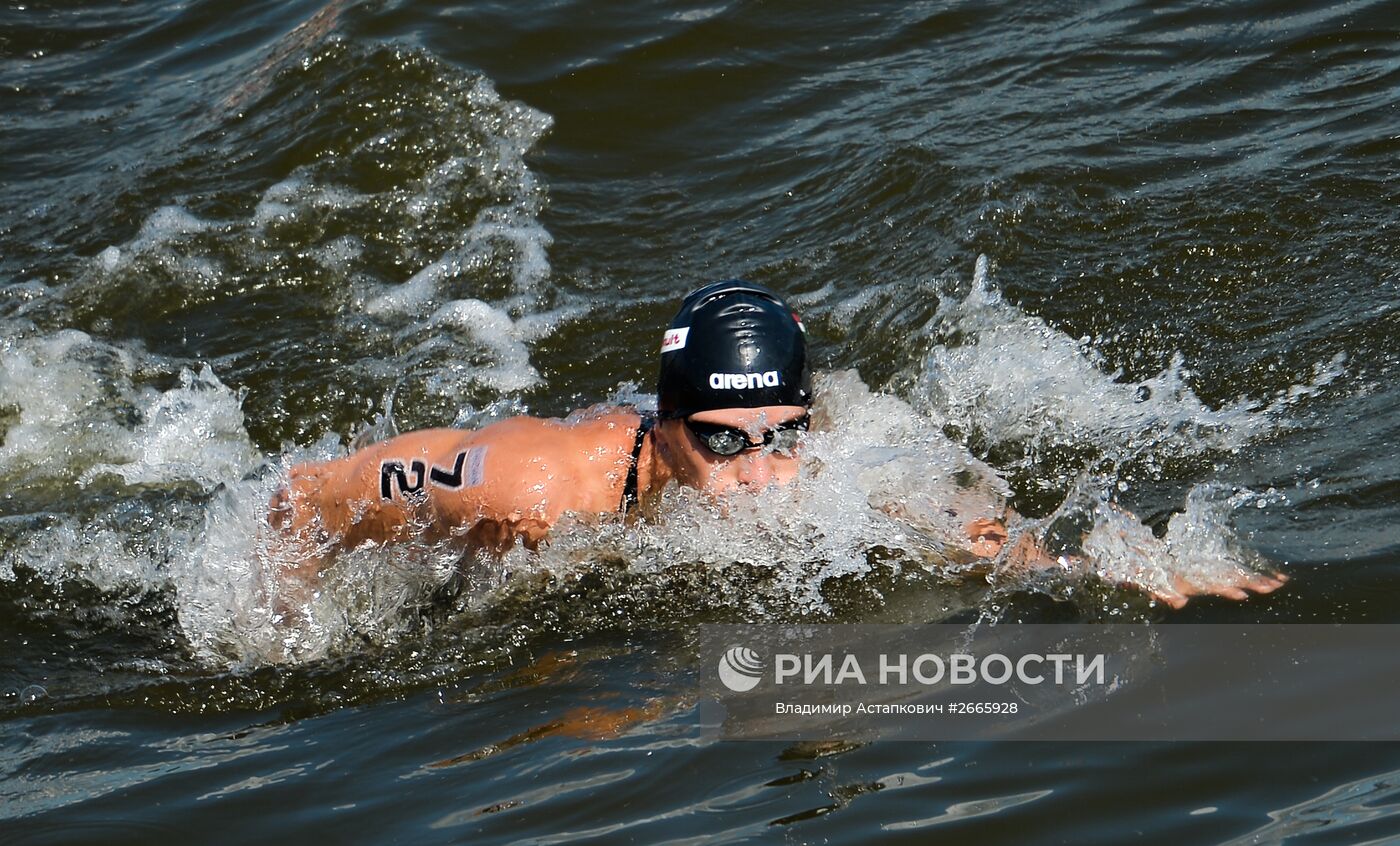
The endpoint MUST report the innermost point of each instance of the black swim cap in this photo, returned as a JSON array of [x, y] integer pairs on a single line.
[[733, 344]]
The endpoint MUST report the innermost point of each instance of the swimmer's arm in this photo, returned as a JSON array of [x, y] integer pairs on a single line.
[[339, 504], [326, 506], [988, 537]]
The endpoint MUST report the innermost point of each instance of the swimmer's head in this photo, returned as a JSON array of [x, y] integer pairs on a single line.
[[733, 344]]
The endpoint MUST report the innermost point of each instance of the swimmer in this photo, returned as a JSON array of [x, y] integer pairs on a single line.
[[733, 399]]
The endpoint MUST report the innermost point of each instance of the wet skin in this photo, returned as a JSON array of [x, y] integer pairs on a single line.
[[530, 472], [754, 469]]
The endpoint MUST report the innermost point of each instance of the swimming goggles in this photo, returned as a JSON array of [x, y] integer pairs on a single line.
[[728, 440]]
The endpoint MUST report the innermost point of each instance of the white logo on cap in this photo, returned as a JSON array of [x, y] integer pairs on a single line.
[[745, 381], [674, 339]]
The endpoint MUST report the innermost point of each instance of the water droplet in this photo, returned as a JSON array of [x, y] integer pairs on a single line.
[[31, 694]]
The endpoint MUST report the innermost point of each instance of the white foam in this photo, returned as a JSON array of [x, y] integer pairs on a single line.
[[193, 432], [499, 230], [112, 558], [474, 343], [168, 223], [165, 227], [492, 328], [59, 388], [80, 412], [110, 259], [1012, 379], [294, 196], [471, 417], [510, 228], [226, 583]]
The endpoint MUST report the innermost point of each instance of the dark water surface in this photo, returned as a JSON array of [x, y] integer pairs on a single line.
[[228, 237]]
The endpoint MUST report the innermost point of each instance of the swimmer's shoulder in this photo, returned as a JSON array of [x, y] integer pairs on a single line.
[[577, 463], [583, 431]]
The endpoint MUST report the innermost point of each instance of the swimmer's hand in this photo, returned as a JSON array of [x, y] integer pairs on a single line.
[[1236, 586], [988, 538]]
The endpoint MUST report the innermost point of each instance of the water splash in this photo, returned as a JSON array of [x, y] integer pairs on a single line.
[[881, 486], [1199, 545], [768, 554], [84, 419], [81, 408], [192, 432], [415, 225], [241, 599], [1012, 378]]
